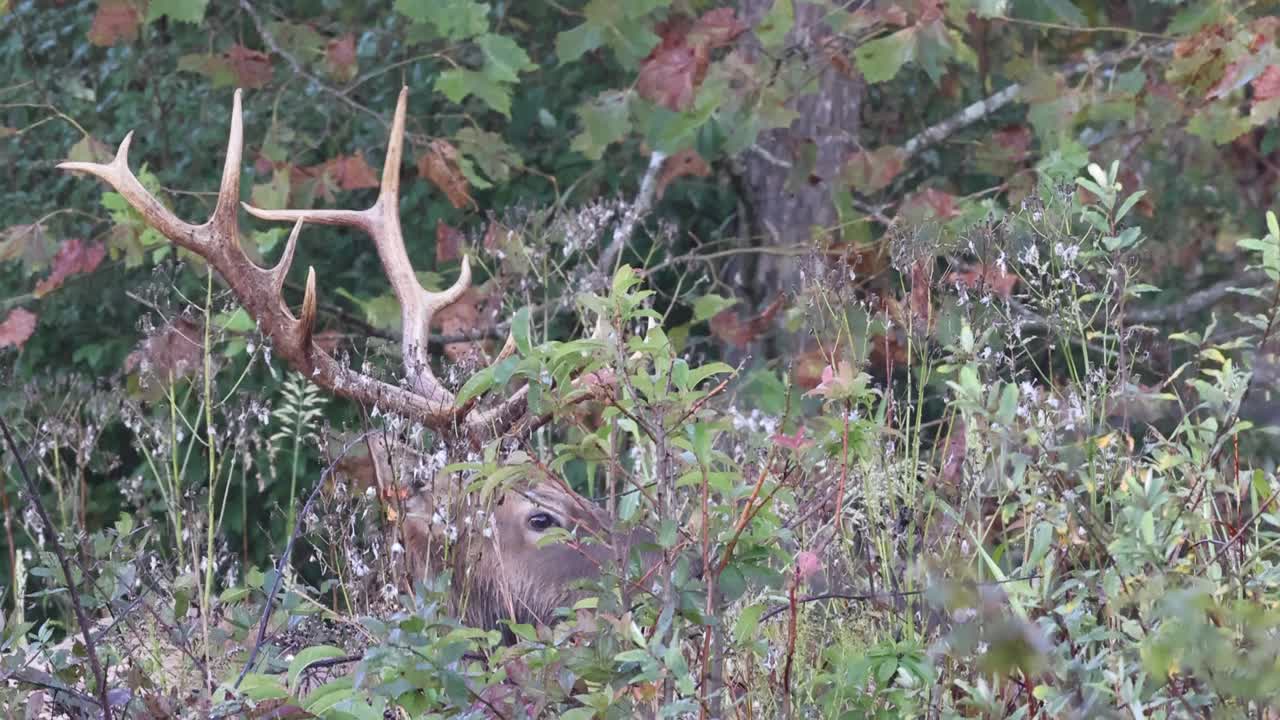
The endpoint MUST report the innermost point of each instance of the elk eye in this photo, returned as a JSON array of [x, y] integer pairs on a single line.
[[542, 521]]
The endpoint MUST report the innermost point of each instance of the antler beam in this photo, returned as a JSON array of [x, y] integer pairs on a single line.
[[259, 289]]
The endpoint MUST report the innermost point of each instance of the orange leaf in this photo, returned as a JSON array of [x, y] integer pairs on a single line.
[[874, 170], [440, 165], [716, 28], [17, 328], [75, 256], [985, 277], [351, 172], [114, 21], [685, 162]]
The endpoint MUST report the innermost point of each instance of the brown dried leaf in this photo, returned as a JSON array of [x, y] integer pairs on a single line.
[[716, 28], [870, 171], [175, 351], [920, 302], [472, 313], [351, 172], [670, 75], [685, 162], [25, 242], [75, 256], [928, 204], [17, 328], [449, 241], [440, 165], [114, 21], [251, 68], [738, 332], [340, 58]]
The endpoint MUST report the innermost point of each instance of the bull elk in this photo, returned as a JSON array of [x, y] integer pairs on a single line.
[[505, 571]]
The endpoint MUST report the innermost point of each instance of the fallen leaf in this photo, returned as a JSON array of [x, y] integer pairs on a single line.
[[340, 58], [685, 162], [729, 327], [114, 21], [440, 165], [448, 243], [251, 68], [73, 257], [17, 328]]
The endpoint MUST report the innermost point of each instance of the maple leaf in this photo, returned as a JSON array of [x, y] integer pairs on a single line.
[[251, 68], [795, 442], [74, 256], [17, 328], [114, 21], [673, 70], [448, 243], [728, 326], [441, 166], [685, 162], [340, 58], [1267, 85]]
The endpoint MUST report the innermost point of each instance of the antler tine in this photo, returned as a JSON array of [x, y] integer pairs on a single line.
[[258, 289], [381, 222]]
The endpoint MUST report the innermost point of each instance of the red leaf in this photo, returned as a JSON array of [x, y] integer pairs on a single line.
[[251, 68], [448, 243], [17, 328], [671, 74], [716, 28], [440, 165], [75, 256], [808, 564], [1015, 140], [1267, 85], [795, 442], [685, 162], [340, 58], [115, 20], [734, 330]]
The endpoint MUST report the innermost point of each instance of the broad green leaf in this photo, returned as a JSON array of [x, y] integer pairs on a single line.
[[882, 58], [520, 331], [605, 120], [773, 28], [257, 686], [307, 657], [452, 19], [504, 59], [188, 11], [457, 84], [708, 306], [576, 42], [748, 622]]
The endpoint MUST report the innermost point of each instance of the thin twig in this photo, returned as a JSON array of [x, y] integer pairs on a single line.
[[82, 619], [866, 597]]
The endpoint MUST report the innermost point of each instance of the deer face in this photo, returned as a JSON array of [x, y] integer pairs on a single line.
[[519, 559]]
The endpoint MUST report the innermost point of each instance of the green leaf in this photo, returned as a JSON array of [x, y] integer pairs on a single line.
[[606, 119], [576, 42], [708, 306], [882, 58], [257, 686], [189, 11], [773, 28], [520, 331], [457, 84], [748, 622], [452, 19], [504, 59], [309, 656]]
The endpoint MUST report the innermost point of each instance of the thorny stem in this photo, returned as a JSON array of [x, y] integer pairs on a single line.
[[90, 646]]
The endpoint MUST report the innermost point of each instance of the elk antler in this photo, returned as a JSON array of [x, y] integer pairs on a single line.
[[258, 289]]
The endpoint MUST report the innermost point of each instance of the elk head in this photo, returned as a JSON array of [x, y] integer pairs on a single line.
[[513, 574]]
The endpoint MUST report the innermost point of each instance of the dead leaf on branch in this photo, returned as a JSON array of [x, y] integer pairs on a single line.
[[114, 21], [441, 165], [74, 257], [685, 162], [17, 328], [671, 73], [731, 328], [870, 171], [1267, 85], [251, 68], [449, 242]]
